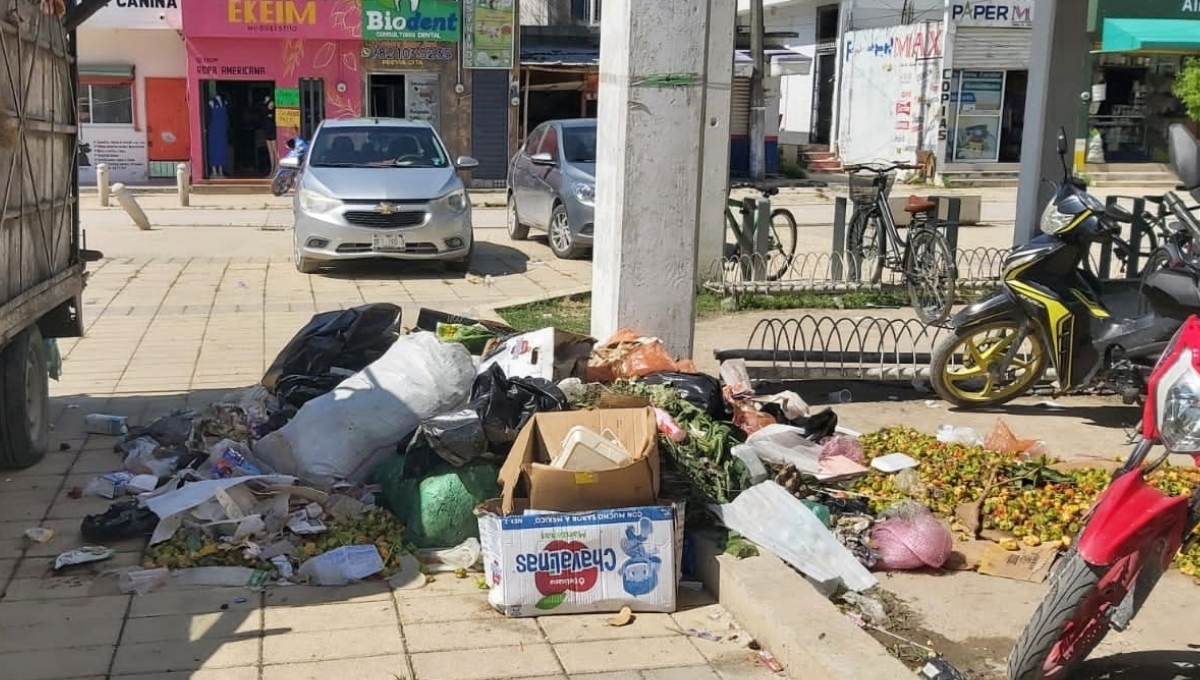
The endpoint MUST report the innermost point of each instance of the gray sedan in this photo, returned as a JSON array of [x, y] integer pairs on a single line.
[[552, 186]]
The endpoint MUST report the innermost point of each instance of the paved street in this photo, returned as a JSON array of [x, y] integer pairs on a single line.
[[199, 306]]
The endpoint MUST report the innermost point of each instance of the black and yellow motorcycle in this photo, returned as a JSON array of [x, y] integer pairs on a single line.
[[1049, 314]]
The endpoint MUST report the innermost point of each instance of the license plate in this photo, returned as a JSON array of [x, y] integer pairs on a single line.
[[387, 242]]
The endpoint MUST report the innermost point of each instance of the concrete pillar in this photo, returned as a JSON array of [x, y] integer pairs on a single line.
[[183, 184], [125, 197], [1057, 76], [653, 128], [715, 165], [102, 187]]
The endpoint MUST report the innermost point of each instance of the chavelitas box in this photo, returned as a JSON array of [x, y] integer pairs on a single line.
[[539, 563]]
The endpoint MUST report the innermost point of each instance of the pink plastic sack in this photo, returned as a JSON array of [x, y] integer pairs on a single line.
[[842, 445], [911, 538]]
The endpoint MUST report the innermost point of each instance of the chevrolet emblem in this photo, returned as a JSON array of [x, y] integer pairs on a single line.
[[385, 208]]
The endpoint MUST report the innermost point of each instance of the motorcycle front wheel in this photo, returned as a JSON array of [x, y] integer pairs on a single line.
[[961, 369], [1072, 619], [282, 183]]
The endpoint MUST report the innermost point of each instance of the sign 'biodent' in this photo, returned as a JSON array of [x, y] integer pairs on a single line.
[[429, 20]]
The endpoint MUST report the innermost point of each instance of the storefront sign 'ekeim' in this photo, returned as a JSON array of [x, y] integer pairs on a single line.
[[432, 20]]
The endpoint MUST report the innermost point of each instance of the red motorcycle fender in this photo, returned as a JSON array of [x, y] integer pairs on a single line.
[[1129, 514]]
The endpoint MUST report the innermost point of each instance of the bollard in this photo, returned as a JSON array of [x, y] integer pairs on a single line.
[[762, 236], [181, 184], [130, 204], [839, 238], [953, 220], [749, 214], [102, 183]]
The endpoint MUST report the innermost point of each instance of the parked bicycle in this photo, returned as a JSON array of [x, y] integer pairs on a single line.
[[781, 239], [1160, 230], [873, 240]]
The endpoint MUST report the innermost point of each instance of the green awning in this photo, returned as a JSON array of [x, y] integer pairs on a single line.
[[1151, 35]]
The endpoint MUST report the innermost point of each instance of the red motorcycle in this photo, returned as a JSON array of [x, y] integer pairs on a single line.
[[1133, 531]]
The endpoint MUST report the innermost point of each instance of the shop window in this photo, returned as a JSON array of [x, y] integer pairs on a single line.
[[586, 11], [106, 102]]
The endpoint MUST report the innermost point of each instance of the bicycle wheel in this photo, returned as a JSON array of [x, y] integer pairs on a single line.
[[930, 273], [784, 236], [863, 251]]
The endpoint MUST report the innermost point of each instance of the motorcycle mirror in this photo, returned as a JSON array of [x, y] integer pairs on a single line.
[[1062, 142]]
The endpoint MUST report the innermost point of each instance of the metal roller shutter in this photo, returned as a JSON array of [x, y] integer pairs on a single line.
[[993, 49], [489, 123], [739, 110]]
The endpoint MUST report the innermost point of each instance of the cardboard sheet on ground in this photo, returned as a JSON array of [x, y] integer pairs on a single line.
[[170, 505], [1026, 564]]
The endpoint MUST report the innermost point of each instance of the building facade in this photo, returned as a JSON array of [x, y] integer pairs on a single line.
[[987, 51], [1140, 46], [131, 97]]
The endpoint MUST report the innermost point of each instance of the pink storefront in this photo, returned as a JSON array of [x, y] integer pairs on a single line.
[[263, 71]]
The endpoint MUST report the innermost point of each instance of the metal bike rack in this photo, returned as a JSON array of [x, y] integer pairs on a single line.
[[812, 347]]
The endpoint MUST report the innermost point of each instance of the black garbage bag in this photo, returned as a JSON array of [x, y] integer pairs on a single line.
[[123, 520], [349, 339], [458, 437], [296, 390], [816, 426], [698, 389], [505, 404]]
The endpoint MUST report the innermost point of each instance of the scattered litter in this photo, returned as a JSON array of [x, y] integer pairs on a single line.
[[911, 538], [39, 534], [768, 659], [842, 396], [461, 557], [894, 462], [969, 436], [937, 668], [84, 555], [341, 566], [703, 634], [102, 423], [111, 485], [1050, 404], [142, 581], [623, 618], [932, 403]]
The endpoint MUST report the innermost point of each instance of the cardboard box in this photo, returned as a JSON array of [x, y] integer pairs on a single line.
[[550, 354], [527, 476], [539, 563]]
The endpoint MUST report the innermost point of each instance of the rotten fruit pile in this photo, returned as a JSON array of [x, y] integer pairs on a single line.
[[1028, 498]]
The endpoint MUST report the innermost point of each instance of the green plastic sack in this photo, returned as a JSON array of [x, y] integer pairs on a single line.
[[474, 337], [437, 511]]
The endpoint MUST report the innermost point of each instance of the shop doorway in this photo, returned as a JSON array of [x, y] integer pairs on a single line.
[[1012, 125], [823, 91], [237, 128], [414, 96]]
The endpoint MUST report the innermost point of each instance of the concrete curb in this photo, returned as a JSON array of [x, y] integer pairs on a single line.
[[788, 617]]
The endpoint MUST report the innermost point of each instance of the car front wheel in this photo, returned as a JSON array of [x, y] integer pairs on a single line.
[[562, 241]]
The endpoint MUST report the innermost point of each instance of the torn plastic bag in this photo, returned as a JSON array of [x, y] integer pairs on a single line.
[[698, 389], [351, 339], [505, 404], [817, 426], [457, 437], [123, 520], [296, 390]]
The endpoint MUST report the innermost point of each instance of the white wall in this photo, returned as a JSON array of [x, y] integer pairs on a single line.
[[153, 53], [795, 92]]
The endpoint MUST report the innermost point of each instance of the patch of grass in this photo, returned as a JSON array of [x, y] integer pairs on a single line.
[[574, 312]]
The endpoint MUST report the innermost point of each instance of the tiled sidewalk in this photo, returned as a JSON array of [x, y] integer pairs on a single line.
[[79, 626]]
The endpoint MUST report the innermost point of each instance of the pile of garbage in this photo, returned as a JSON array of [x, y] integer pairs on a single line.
[[563, 469]]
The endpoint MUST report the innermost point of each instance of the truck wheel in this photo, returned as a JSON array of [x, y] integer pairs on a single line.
[[24, 401]]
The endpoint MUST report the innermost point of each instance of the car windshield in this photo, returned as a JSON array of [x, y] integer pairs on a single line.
[[377, 146], [579, 144]]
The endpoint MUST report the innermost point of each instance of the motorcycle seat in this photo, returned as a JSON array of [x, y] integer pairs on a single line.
[[916, 204]]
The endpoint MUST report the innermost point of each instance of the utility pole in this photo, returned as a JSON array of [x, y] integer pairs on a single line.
[[758, 104]]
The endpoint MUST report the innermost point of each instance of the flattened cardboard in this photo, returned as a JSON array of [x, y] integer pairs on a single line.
[[1026, 564], [548, 353], [527, 475]]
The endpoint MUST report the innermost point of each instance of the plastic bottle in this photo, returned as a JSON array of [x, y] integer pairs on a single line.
[[102, 423]]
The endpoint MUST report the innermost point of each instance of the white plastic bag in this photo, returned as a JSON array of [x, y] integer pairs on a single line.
[[345, 434], [774, 519], [1095, 147], [341, 566]]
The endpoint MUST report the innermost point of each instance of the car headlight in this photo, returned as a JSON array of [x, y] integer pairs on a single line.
[[1054, 221], [585, 193], [1178, 405], [316, 202], [455, 201]]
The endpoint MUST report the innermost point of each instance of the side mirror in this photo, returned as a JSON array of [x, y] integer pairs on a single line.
[[466, 163], [1062, 142], [1185, 157], [291, 163], [542, 158]]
